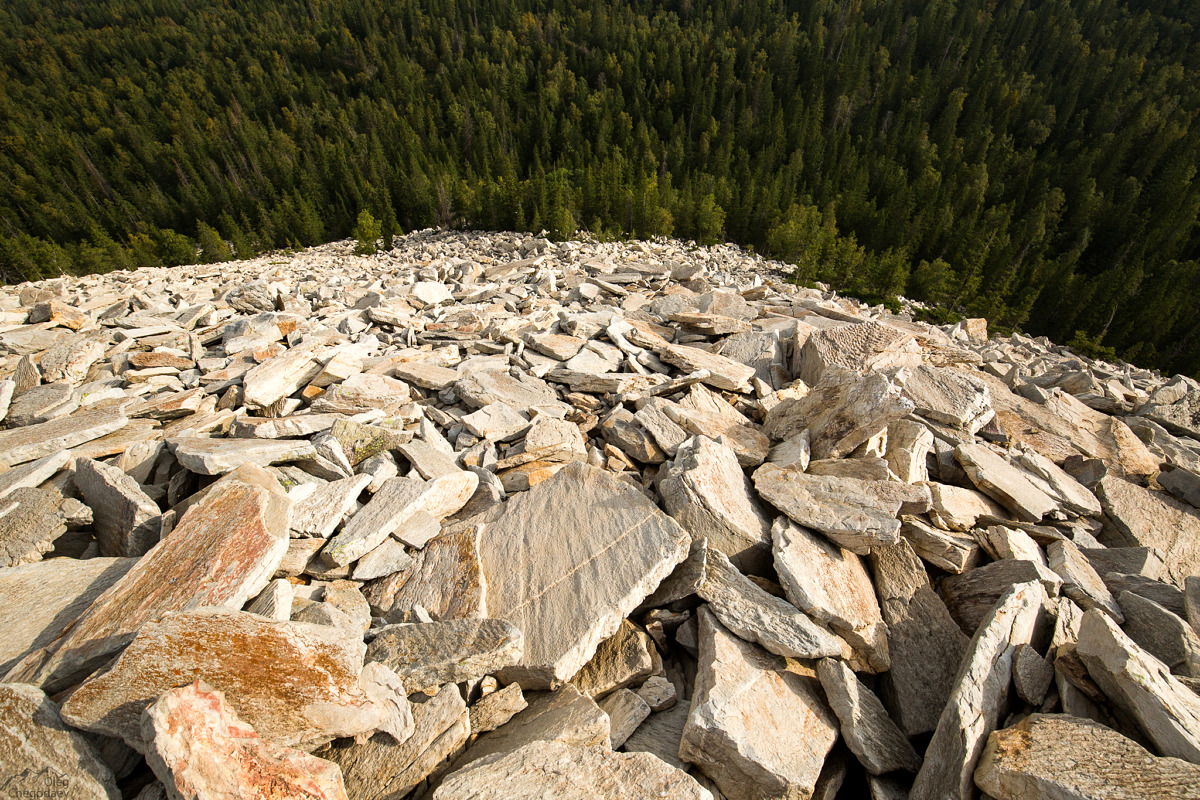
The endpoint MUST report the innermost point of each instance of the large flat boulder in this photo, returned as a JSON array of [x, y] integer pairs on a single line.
[[862, 347], [223, 551], [1060, 756], [39, 600], [707, 492], [426, 655], [200, 749], [298, 684], [754, 729], [566, 561], [1141, 517]]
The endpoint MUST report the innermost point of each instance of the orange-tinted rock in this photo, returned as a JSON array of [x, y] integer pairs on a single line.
[[298, 684], [202, 750], [222, 553]]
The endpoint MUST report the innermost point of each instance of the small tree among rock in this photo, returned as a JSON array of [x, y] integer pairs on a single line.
[[367, 231]]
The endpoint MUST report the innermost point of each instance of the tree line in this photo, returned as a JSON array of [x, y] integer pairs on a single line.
[[1032, 161]]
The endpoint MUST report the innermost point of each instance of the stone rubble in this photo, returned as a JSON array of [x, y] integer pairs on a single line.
[[484, 515]]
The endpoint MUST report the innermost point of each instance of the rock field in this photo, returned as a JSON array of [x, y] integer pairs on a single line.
[[486, 516]]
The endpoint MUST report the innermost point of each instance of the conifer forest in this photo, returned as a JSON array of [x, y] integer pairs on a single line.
[[1031, 161]]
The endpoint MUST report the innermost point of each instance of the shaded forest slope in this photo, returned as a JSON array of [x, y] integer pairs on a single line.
[[1033, 161]]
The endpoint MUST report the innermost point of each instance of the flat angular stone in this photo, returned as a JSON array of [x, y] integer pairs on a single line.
[[59, 313], [1004, 483], [868, 730], [360, 442], [445, 579], [1056, 482], [223, 551], [567, 561], [757, 616], [957, 509], [361, 393], [724, 373], [908, 444], [41, 404], [281, 376], [392, 505], [200, 749], [524, 394], [1145, 518], [621, 660], [127, 521], [386, 559], [832, 586], [563, 715], [660, 735], [1055, 755], [39, 600], [862, 348], [705, 490], [493, 710], [850, 512], [1181, 417], [427, 460], [1032, 674], [19, 445], [972, 595], [626, 710], [425, 374], [315, 689], [754, 729], [496, 422], [32, 474], [221, 456], [382, 768], [951, 397], [1142, 686], [30, 522], [426, 655], [553, 770], [1169, 597], [282, 427], [320, 512], [653, 417], [556, 345], [954, 552], [1002, 541], [38, 751], [979, 696], [841, 411], [1163, 634], [925, 644], [274, 602], [658, 692], [1080, 581]]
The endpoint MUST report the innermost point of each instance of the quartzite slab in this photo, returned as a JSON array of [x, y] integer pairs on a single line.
[[568, 560], [127, 521], [19, 445], [552, 770], [201, 749], [853, 513], [298, 684], [706, 490], [1003, 482], [833, 586], [445, 579], [39, 600], [220, 456], [1059, 756], [223, 551], [868, 730], [40, 756], [1152, 519], [383, 769], [426, 655], [979, 696], [753, 728]]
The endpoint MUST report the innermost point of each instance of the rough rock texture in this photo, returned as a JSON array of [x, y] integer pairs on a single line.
[[611, 544], [706, 491], [38, 753], [753, 728], [1142, 686], [621, 660], [868, 730], [127, 521], [1141, 517], [297, 684], [451, 651], [39, 600], [223, 551], [557, 771], [978, 697], [1004, 483], [201, 750], [833, 586], [381, 768], [1059, 756], [865, 347]]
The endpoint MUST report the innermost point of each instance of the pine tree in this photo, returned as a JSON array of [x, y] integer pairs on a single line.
[[367, 231]]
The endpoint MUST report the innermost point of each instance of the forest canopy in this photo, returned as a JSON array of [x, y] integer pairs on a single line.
[[1032, 161]]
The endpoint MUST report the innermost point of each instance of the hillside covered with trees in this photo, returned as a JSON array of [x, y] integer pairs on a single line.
[[1032, 161]]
